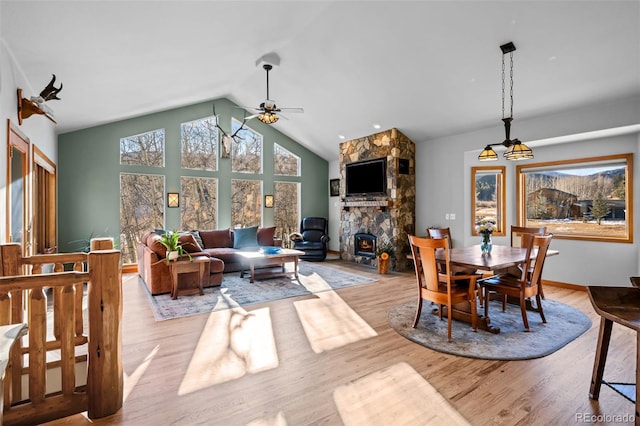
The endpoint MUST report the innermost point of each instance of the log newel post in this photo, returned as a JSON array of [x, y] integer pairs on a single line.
[[105, 371]]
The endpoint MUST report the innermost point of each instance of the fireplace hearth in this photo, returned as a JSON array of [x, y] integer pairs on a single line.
[[365, 245]]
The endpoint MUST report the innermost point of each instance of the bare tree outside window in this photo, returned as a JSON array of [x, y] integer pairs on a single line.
[[199, 144], [589, 198], [246, 203], [488, 197], [141, 209], [198, 203], [146, 149], [285, 163], [246, 150], [286, 209]]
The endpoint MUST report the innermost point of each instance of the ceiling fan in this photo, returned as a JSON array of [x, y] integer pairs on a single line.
[[267, 112]]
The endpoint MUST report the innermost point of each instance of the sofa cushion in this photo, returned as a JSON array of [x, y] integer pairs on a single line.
[[153, 242], [265, 236], [189, 243], [245, 237], [216, 238]]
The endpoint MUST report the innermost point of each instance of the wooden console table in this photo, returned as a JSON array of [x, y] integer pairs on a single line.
[[620, 305]]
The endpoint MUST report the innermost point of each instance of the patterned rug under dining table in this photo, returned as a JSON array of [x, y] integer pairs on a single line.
[[267, 262], [500, 258]]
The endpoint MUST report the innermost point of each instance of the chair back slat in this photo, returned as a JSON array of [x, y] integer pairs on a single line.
[[517, 231], [541, 242], [440, 233]]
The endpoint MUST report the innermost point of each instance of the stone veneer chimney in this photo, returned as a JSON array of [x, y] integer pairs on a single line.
[[392, 217]]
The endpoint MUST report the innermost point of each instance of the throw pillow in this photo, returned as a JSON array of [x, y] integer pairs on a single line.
[[265, 236], [189, 243], [216, 238], [245, 237], [196, 235], [153, 242]]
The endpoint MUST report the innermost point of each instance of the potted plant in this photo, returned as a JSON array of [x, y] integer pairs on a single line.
[[171, 241], [384, 252]]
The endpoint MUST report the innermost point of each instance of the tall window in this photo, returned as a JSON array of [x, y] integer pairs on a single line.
[[141, 209], [199, 143], [199, 202], [246, 150], [588, 198], [488, 197], [246, 203], [146, 149], [285, 163], [286, 209]]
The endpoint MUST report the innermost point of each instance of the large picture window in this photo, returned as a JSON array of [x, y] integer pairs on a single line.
[[286, 211], [488, 197], [145, 149], [141, 209], [199, 144], [246, 203], [588, 198], [199, 202], [246, 150], [285, 162]]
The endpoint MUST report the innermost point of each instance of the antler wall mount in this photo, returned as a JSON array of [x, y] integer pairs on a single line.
[[37, 104], [225, 142]]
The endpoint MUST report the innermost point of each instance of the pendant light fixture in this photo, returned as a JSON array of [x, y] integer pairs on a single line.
[[516, 150]]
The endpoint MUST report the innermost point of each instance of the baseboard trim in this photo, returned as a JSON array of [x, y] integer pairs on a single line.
[[564, 285]]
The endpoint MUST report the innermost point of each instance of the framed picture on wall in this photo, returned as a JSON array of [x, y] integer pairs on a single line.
[[334, 187]]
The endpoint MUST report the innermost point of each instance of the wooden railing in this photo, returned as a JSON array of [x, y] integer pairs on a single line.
[[71, 358]]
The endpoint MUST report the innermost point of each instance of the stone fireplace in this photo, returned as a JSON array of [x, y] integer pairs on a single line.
[[364, 245], [391, 217]]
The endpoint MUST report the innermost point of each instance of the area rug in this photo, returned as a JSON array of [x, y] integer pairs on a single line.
[[564, 324], [236, 291]]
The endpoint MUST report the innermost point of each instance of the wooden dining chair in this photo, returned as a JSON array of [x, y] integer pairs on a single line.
[[440, 233], [440, 288], [525, 286], [516, 241]]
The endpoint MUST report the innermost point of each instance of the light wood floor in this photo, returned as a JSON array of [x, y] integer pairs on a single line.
[[258, 367]]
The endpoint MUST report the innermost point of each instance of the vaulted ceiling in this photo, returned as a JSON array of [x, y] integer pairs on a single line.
[[428, 68]]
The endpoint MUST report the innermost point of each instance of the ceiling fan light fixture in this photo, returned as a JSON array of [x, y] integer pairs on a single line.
[[268, 117]]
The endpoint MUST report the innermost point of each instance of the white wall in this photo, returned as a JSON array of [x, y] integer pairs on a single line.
[[334, 209], [39, 130], [443, 185]]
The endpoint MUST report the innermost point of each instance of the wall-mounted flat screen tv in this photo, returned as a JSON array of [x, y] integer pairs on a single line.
[[366, 178]]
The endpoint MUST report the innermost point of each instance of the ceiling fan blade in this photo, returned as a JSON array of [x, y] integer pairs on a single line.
[[292, 109], [251, 108]]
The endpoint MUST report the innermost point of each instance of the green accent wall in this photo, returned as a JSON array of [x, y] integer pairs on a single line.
[[89, 171]]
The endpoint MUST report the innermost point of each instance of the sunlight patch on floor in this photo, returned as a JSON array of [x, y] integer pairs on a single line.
[[396, 395], [131, 380], [278, 420], [330, 323], [233, 343]]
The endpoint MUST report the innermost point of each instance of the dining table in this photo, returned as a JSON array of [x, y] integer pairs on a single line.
[[498, 260]]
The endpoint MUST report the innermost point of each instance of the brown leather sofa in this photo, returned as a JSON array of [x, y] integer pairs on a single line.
[[218, 245]]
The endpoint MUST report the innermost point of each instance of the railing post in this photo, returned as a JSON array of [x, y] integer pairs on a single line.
[[105, 372]]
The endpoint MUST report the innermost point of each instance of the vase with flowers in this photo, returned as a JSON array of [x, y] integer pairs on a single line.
[[485, 228]]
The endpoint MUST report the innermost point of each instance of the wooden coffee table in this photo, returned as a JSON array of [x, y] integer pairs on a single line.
[[256, 259]]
